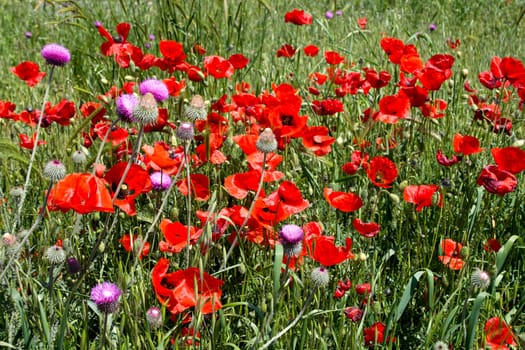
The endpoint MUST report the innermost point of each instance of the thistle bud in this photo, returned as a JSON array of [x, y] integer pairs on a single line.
[[154, 317], [480, 279], [54, 170], [146, 112], [320, 277], [185, 131], [196, 110], [266, 143], [55, 254]]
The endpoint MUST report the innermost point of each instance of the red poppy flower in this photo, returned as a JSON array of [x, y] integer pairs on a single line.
[[195, 74], [513, 70], [61, 113], [7, 109], [362, 21], [280, 205], [492, 245], [333, 57], [434, 110], [498, 335], [375, 334], [176, 236], [443, 160], [410, 61], [392, 108], [173, 56], [423, 196], [238, 61], [453, 43], [218, 67], [298, 17], [324, 251], [451, 254], [393, 47], [239, 185], [198, 49], [162, 157], [118, 46], [317, 140], [346, 202], [174, 86], [200, 187], [496, 180], [366, 229], [359, 158], [183, 289], [286, 51], [375, 79], [381, 171], [466, 145], [311, 50], [29, 72], [116, 136], [132, 243], [137, 181], [327, 107], [83, 193], [29, 143], [511, 159]]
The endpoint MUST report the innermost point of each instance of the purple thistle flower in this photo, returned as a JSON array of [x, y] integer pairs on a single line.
[[339, 13], [154, 317], [160, 181], [157, 88], [125, 105], [432, 27], [56, 55], [291, 234], [28, 35], [329, 15], [105, 295]]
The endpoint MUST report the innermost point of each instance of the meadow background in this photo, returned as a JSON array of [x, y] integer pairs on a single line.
[[418, 301]]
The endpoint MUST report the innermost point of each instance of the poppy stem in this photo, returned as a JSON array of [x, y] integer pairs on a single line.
[[33, 152], [252, 205]]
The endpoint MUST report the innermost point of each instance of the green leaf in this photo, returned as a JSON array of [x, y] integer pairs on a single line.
[[407, 294], [473, 319], [7, 345]]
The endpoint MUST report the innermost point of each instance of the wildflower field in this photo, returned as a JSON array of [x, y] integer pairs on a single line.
[[262, 174]]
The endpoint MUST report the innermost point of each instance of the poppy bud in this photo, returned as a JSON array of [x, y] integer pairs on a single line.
[[394, 197], [464, 72], [464, 252], [403, 185]]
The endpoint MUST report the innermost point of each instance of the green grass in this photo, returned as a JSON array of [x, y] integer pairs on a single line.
[[418, 299]]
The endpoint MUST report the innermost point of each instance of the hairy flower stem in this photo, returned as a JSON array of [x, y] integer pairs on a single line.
[[188, 205], [104, 331], [33, 152], [28, 233], [240, 228], [291, 324]]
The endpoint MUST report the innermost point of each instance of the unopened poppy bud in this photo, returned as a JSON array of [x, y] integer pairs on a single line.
[[362, 256], [320, 277], [518, 143], [196, 110], [154, 317], [436, 198], [266, 143], [146, 112], [480, 279], [464, 252], [403, 185], [54, 170], [464, 72], [394, 197], [450, 83], [185, 131]]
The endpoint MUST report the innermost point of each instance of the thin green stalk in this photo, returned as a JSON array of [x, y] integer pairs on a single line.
[[33, 152], [239, 229]]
